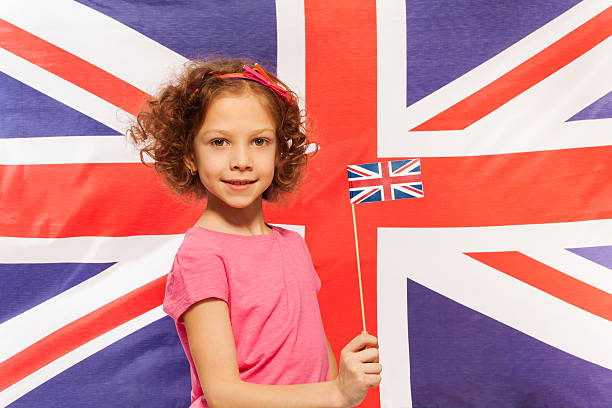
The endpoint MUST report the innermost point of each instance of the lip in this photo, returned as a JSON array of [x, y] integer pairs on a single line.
[[238, 180], [239, 187]]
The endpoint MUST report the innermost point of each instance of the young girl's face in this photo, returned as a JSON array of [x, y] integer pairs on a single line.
[[237, 141]]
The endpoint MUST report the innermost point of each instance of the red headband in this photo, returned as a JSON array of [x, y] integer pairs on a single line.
[[258, 74]]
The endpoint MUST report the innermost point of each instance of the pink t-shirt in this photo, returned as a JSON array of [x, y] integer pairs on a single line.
[[270, 285]]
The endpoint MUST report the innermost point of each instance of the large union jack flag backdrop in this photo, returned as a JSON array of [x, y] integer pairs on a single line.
[[493, 289]]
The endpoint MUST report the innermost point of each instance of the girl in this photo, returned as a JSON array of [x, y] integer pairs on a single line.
[[243, 293]]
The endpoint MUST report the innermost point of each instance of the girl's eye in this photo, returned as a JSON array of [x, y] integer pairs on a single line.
[[219, 142], [214, 142]]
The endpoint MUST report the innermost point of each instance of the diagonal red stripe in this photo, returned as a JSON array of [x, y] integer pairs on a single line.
[[71, 68], [81, 331], [405, 166], [518, 80], [549, 280]]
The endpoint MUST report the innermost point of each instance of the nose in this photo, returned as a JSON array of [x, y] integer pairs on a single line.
[[240, 157]]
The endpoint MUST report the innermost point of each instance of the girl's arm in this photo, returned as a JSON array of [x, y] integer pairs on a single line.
[[213, 349]]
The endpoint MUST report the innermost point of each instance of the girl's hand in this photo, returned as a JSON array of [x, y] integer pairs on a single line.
[[359, 369]]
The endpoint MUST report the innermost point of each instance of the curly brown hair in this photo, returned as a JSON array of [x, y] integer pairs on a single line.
[[167, 124]]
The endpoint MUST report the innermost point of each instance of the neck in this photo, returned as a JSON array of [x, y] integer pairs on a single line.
[[219, 216]]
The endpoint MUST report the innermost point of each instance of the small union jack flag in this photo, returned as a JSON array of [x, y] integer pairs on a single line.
[[391, 180]]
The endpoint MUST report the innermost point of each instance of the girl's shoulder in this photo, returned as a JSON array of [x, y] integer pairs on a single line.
[[288, 234], [292, 237], [197, 240], [200, 239]]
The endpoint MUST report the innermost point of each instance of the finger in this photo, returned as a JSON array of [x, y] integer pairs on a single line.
[[361, 341], [370, 338], [376, 346], [372, 368], [367, 355], [374, 380]]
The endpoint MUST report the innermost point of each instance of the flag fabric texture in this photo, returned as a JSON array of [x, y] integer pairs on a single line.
[[506, 300], [394, 180]]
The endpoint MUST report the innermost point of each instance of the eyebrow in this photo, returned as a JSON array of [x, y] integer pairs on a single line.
[[225, 132]]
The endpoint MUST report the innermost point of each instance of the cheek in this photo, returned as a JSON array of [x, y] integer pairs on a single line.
[[270, 164], [210, 164]]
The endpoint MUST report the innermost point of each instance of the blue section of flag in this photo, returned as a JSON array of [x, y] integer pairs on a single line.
[[147, 365], [27, 285], [598, 254], [472, 33], [372, 167], [462, 358], [600, 109], [374, 197], [194, 28], [352, 175], [398, 163], [400, 194], [26, 112]]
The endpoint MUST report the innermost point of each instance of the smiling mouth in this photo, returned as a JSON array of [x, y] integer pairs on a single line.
[[235, 183]]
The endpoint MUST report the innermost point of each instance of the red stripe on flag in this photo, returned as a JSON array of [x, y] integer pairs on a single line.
[[549, 280], [94, 199], [503, 189], [71, 68], [105, 199], [81, 331], [518, 80], [344, 109]]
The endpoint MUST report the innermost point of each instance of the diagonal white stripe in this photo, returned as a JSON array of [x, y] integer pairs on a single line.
[[395, 118], [122, 52], [96, 38], [19, 389], [65, 92], [573, 265], [534, 117], [438, 262], [140, 260]]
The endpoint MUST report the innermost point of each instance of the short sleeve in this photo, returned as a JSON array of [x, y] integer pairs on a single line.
[[194, 277], [309, 261]]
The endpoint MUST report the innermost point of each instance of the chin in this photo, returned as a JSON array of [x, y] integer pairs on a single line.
[[239, 203]]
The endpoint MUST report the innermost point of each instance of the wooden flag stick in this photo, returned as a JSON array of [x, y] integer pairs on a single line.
[[358, 268]]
